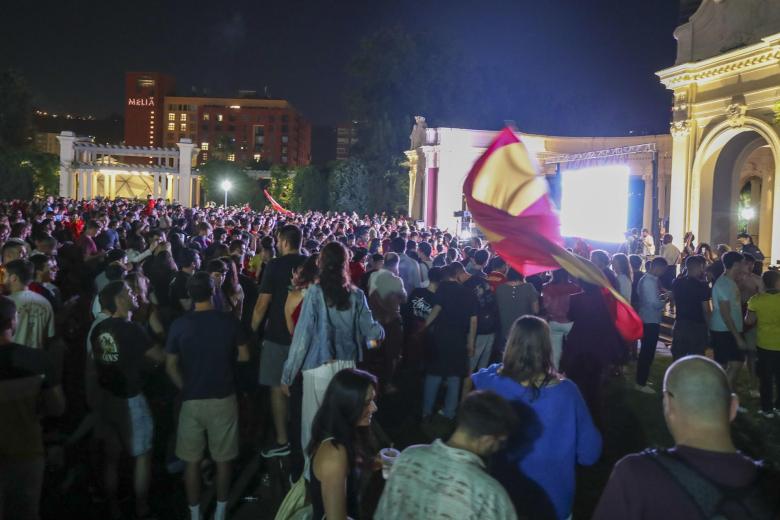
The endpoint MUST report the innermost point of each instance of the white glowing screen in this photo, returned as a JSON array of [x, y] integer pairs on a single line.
[[594, 203]]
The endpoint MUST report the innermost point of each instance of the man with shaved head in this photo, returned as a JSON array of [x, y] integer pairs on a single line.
[[703, 475]]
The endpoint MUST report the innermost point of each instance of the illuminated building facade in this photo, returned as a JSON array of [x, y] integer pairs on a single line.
[[440, 159], [144, 95], [242, 129], [726, 147], [346, 138]]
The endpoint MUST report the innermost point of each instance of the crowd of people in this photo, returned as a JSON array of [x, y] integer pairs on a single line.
[[130, 314]]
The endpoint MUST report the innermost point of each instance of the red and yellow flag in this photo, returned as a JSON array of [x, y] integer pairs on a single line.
[[275, 205], [510, 203]]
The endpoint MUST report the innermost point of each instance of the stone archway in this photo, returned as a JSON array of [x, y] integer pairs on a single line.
[[720, 167]]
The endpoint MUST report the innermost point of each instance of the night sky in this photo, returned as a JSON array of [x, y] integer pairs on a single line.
[[592, 60]]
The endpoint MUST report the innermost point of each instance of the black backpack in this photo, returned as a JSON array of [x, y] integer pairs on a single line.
[[758, 500]]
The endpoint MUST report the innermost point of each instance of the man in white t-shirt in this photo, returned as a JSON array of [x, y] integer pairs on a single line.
[[35, 321], [648, 243], [670, 253]]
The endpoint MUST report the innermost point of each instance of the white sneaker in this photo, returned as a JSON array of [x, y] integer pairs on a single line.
[[644, 389]]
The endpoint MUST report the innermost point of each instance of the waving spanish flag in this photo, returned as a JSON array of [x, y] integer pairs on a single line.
[[511, 205], [275, 205]]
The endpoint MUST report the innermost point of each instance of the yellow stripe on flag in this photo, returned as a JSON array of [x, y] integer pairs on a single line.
[[508, 180]]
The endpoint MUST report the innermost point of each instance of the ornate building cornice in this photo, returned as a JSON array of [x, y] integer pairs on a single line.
[[763, 54]]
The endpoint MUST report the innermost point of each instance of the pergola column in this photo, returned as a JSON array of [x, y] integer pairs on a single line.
[[67, 156], [155, 185], [106, 186], [186, 152]]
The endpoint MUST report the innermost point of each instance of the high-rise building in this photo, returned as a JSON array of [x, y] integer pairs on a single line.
[[346, 138], [144, 95], [242, 129]]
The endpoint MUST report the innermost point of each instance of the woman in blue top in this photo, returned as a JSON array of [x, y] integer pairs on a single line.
[[557, 432]]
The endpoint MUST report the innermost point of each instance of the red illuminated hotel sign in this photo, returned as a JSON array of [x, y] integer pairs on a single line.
[[141, 102]]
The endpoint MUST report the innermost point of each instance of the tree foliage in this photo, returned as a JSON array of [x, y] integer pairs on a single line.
[[309, 190], [281, 187], [351, 185], [396, 75], [15, 111], [243, 190], [17, 173]]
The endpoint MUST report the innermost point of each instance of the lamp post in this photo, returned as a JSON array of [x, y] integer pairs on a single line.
[[226, 185]]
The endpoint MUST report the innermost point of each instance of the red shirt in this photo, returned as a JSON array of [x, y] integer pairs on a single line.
[[356, 271]]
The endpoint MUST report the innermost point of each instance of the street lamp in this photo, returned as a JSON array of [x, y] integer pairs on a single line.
[[226, 185]]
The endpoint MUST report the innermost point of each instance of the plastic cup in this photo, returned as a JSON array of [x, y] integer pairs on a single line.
[[388, 456]]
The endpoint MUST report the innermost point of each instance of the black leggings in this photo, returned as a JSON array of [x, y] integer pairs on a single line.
[[768, 369]]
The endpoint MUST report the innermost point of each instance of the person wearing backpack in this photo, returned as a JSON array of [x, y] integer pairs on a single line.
[[703, 476]]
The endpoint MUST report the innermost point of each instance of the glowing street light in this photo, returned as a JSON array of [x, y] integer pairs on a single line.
[[226, 185], [747, 213]]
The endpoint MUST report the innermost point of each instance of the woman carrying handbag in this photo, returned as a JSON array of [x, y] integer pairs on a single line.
[[335, 325]]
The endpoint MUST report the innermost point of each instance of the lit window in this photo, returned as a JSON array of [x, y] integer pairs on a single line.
[[171, 126], [183, 127], [171, 116], [219, 117], [256, 157], [183, 117], [231, 157], [204, 146], [205, 117], [205, 157]]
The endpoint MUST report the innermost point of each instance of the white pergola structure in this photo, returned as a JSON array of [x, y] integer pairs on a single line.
[[89, 170]]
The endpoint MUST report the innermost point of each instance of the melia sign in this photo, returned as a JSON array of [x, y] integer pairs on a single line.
[[141, 102]]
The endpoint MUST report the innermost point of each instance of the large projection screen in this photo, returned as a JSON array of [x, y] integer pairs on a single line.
[[594, 203]]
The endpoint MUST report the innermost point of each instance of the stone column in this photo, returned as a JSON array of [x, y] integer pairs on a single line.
[[186, 152], [67, 156], [430, 185], [174, 187], [682, 162], [155, 185], [413, 158], [90, 192]]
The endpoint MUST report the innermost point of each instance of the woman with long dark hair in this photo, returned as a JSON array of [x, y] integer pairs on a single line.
[[335, 449], [334, 327], [538, 463], [232, 292]]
